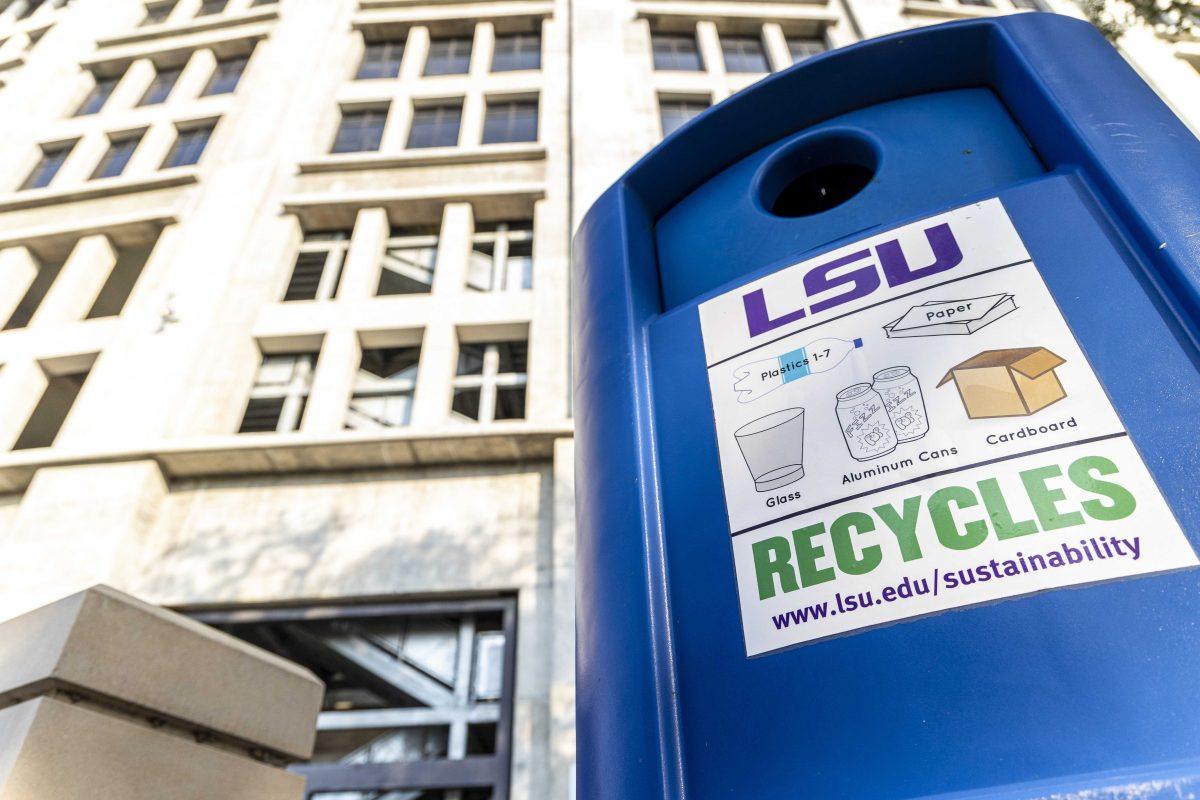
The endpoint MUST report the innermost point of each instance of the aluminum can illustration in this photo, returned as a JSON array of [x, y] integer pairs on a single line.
[[901, 393], [865, 423], [773, 447]]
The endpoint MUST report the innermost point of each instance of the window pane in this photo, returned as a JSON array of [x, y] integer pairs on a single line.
[[511, 122], [481, 267], [451, 56], [97, 97], [435, 126], [513, 357], [116, 158], [676, 51], [47, 167], [189, 146], [510, 402], [470, 359], [160, 88], [675, 113], [381, 60], [520, 266], [262, 415], [225, 77], [466, 403], [29, 7], [744, 54], [212, 7], [157, 13], [306, 277], [360, 131], [516, 51], [801, 48]]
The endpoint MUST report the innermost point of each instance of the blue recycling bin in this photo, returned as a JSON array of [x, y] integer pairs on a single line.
[[888, 428]]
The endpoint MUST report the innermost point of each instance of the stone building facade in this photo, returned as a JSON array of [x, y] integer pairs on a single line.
[[284, 296]]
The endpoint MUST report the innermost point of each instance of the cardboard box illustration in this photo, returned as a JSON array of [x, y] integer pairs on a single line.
[[1007, 383]]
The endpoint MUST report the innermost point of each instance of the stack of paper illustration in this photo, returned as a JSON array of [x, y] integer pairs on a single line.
[[951, 317]]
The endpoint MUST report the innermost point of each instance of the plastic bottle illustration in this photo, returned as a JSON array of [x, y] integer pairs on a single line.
[[758, 378], [901, 393], [865, 423]]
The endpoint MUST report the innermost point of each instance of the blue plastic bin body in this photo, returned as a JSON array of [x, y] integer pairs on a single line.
[[1088, 689]]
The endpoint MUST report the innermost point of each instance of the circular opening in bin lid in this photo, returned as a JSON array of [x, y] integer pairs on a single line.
[[817, 173]]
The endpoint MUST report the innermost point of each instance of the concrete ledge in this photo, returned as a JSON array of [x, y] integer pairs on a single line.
[[117, 651], [108, 187], [195, 25], [931, 8], [52, 749], [225, 37], [431, 157], [276, 453], [392, 13]]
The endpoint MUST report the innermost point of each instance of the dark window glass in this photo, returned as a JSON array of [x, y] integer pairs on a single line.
[[435, 126], [1029, 5], [211, 7], [157, 13], [47, 167], [117, 157], [982, 3], [676, 112], [262, 415], [516, 51], [360, 131], [514, 121], [450, 56], [189, 146], [97, 97], [381, 59], [744, 54], [51, 412], [29, 7], [306, 277], [510, 402], [676, 51], [409, 260], [801, 48], [514, 357], [160, 88], [226, 76]]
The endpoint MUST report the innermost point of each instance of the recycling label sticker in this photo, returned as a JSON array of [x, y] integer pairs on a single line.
[[907, 425]]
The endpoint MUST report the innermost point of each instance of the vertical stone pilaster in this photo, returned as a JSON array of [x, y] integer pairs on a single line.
[[79, 283]]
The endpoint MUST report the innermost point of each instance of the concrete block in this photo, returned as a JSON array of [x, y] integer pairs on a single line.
[[104, 644], [55, 749]]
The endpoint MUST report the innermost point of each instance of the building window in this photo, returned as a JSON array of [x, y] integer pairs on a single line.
[[381, 59], [978, 3], [189, 146], [97, 97], [676, 51], [744, 54], [29, 6], [360, 131], [408, 261], [490, 381], [160, 88], [674, 112], [517, 51], [435, 125], [383, 388], [318, 266], [226, 76], [501, 257], [157, 13], [117, 156], [209, 7], [51, 411], [510, 121], [1029, 5], [449, 56], [417, 694], [280, 393], [804, 47], [48, 166]]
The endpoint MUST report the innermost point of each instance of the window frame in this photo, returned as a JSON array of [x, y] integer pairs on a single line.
[[393, 53], [450, 57], [221, 77], [661, 37], [209, 129], [383, 387], [489, 381], [512, 117], [401, 239], [500, 272], [133, 139], [65, 148], [156, 83], [665, 100], [109, 81], [516, 53], [335, 246], [295, 392], [741, 38], [421, 107], [347, 112], [492, 771]]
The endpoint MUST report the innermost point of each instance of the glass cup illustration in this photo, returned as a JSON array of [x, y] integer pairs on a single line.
[[773, 447], [901, 393], [865, 423]]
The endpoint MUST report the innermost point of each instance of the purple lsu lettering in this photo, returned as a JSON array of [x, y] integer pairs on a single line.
[[859, 282]]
